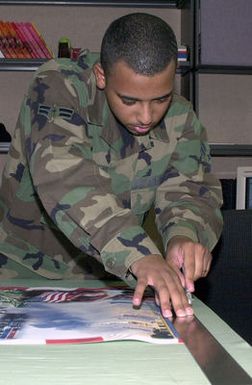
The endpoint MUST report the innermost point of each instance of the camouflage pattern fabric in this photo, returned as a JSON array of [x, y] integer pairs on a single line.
[[77, 185]]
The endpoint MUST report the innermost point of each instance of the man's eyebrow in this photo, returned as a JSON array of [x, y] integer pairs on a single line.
[[164, 96], [131, 98]]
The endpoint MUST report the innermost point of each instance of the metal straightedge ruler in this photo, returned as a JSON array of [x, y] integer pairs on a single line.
[[217, 364]]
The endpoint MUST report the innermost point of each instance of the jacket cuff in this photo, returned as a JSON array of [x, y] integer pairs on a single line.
[[126, 248], [180, 231]]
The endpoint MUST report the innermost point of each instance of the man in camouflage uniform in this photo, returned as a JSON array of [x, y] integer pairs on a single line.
[[94, 149]]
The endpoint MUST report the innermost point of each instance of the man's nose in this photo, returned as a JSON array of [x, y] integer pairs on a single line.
[[145, 114]]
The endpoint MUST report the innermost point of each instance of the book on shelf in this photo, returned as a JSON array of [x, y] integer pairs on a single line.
[[40, 40], [27, 40], [22, 40], [4, 44], [183, 53], [47, 315]]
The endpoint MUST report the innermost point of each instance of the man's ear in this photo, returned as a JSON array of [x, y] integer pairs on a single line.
[[99, 76]]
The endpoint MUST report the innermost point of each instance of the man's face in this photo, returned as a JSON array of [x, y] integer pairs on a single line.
[[139, 102]]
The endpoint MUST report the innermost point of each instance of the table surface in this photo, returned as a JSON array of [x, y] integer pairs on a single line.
[[113, 363]]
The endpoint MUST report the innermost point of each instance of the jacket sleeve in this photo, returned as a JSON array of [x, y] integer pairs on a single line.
[[189, 199], [74, 191]]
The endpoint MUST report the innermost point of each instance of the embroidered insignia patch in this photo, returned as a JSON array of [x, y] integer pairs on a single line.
[[52, 112]]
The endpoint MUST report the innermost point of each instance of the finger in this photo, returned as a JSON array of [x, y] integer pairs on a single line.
[[181, 305], [200, 260], [207, 263], [189, 267], [139, 292], [178, 271], [162, 293], [172, 293], [166, 315], [203, 260]]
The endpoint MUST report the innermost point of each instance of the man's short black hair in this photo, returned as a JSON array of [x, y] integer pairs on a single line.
[[145, 42]]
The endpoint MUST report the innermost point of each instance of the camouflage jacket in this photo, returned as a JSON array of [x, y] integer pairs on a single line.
[[76, 182]]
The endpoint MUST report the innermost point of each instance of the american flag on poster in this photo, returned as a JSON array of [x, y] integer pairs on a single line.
[[42, 315]]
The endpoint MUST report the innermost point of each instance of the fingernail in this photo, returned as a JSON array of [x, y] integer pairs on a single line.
[[190, 287], [189, 311], [167, 313], [136, 302], [180, 313]]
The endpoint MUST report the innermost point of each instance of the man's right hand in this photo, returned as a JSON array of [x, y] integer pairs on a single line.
[[165, 278]]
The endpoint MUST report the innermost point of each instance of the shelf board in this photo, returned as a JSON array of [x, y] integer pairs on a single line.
[[4, 147], [20, 64], [184, 66], [33, 64], [116, 3], [231, 150], [223, 69]]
